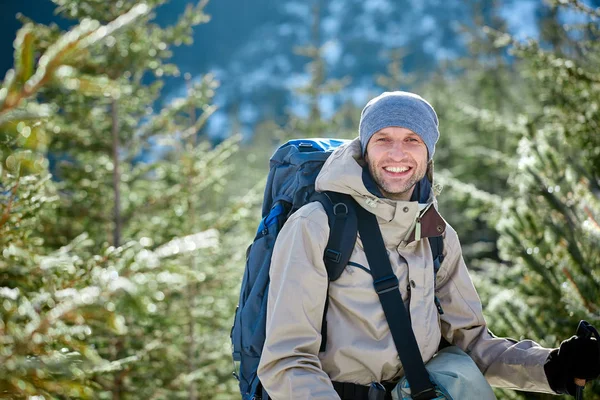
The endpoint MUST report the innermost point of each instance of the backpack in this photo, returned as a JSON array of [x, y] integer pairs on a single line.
[[290, 185]]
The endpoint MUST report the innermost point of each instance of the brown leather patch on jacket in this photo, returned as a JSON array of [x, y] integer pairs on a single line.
[[432, 224]]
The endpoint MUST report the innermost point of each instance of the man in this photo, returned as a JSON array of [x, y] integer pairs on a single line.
[[386, 171]]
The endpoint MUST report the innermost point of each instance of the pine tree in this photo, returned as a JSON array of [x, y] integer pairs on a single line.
[[87, 149], [143, 318], [52, 300], [396, 78], [473, 140], [547, 215], [186, 195], [551, 226], [318, 86]]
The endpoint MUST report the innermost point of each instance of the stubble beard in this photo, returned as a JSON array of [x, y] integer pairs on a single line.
[[392, 191]]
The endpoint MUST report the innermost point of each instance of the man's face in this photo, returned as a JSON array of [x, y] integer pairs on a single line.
[[397, 159]]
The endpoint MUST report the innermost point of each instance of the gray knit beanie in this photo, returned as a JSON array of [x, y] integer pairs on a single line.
[[402, 109]]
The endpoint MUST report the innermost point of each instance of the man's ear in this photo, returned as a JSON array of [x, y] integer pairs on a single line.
[[429, 172], [366, 157], [436, 187]]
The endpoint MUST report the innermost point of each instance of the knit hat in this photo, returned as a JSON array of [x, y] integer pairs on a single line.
[[401, 109]]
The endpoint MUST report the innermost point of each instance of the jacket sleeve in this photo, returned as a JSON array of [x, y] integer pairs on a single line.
[[505, 363], [289, 366]]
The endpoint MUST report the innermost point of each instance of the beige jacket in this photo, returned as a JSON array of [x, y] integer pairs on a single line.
[[360, 348]]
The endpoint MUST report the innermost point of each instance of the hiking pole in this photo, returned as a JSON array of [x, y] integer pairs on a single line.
[[584, 330], [579, 386]]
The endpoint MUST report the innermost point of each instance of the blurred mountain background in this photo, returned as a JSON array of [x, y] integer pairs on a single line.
[[251, 47]]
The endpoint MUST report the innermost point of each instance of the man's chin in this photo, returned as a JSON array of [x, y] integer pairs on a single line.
[[398, 193], [398, 189]]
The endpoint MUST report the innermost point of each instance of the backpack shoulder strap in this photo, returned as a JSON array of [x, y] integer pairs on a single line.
[[343, 229], [437, 249], [386, 286]]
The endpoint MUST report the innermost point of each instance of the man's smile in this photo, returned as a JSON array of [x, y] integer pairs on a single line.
[[397, 172]]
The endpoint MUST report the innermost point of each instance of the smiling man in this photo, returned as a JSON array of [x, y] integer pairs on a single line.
[[397, 160], [388, 171]]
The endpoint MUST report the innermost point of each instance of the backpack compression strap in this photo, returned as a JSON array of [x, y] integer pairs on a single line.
[[386, 286]]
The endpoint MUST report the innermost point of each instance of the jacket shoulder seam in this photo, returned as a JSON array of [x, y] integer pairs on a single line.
[[309, 213]]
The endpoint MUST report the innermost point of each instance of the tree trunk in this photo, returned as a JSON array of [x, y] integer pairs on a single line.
[[118, 346], [192, 346], [116, 175], [192, 288]]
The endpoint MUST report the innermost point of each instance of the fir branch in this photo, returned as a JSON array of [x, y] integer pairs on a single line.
[[579, 6], [87, 33], [589, 306]]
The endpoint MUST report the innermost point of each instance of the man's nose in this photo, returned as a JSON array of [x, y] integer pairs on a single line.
[[397, 151]]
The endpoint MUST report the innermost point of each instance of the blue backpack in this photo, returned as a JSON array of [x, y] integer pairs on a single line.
[[290, 185]]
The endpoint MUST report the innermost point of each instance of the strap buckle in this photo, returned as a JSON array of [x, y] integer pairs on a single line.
[[386, 284], [333, 255]]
